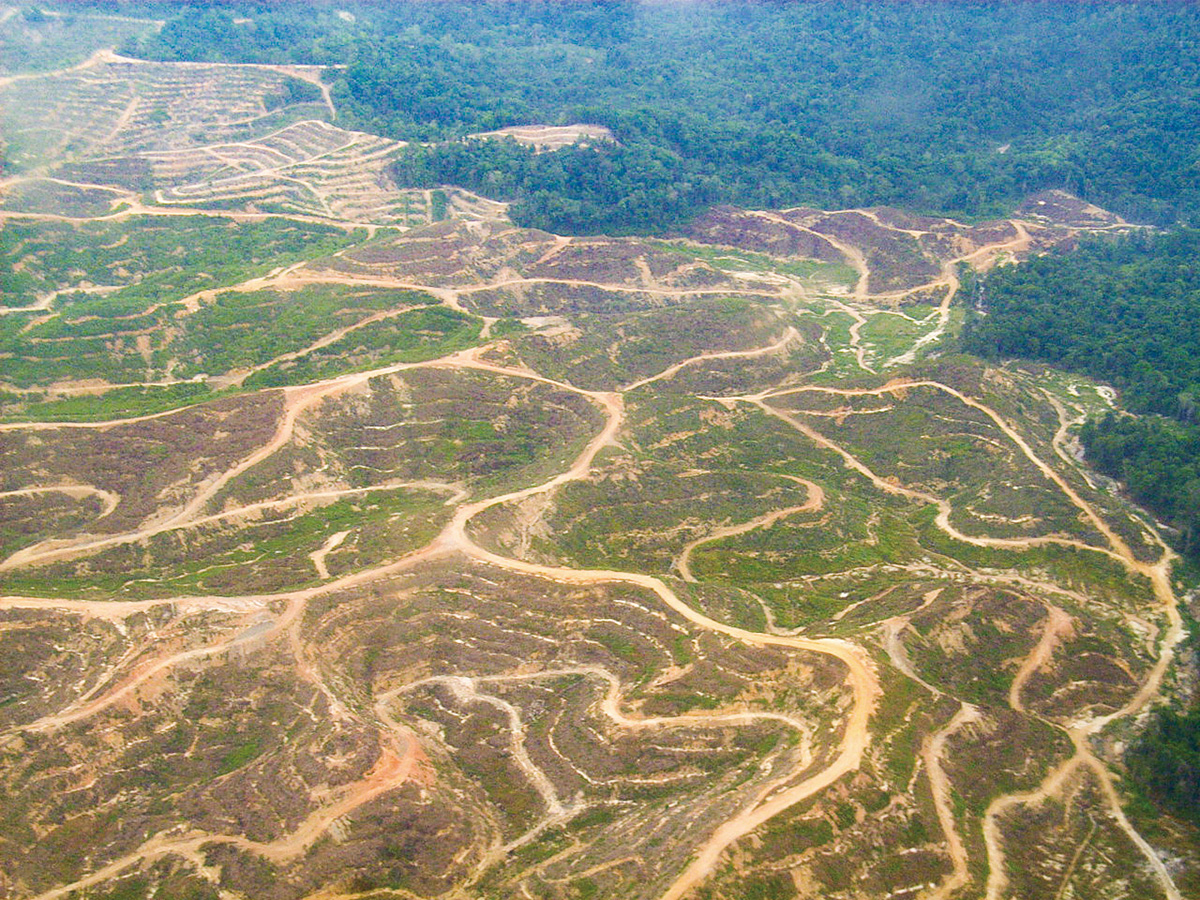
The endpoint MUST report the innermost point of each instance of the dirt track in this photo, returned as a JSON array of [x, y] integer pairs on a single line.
[[863, 682], [395, 768], [791, 335], [816, 499], [456, 539], [75, 491], [932, 753]]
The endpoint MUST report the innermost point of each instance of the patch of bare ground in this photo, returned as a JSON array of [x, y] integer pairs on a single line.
[[152, 465], [552, 137], [1060, 208], [483, 263]]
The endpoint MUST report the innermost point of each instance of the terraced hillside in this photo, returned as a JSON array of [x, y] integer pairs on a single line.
[[343, 555], [252, 138]]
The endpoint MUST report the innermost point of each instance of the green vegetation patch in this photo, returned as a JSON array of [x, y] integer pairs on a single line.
[[124, 334], [853, 532], [603, 352], [890, 334], [967, 642], [121, 403], [684, 467], [930, 441], [34, 40], [152, 259], [813, 272], [413, 336], [239, 330], [265, 553]]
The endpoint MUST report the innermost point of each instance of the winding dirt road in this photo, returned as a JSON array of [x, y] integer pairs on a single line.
[[779, 346], [1056, 627], [401, 760], [815, 501], [932, 754], [74, 491]]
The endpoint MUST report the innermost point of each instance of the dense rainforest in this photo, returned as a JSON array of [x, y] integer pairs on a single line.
[[1122, 310], [950, 108]]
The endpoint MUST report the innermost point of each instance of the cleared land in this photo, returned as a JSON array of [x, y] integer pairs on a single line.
[[258, 139], [464, 559], [552, 137]]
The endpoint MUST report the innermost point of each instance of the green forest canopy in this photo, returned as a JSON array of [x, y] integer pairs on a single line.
[[1123, 311], [941, 107]]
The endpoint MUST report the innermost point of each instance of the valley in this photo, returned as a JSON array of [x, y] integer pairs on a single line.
[[356, 542]]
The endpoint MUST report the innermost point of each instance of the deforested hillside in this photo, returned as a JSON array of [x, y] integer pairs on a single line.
[[489, 456]]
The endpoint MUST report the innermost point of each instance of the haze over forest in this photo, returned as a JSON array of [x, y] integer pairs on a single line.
[[573, 450]]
